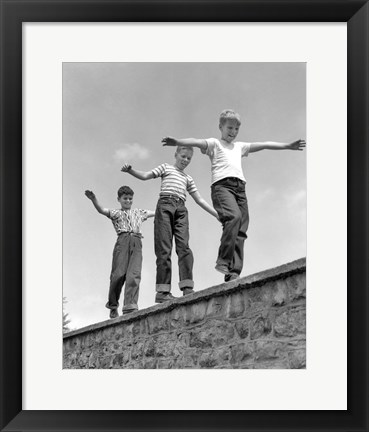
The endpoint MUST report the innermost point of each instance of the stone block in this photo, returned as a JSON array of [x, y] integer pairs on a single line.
[[236, 306], [216, 307], [196, 312], [181, 344], [139, 328], [208, 360], [164, 364], [269, 350], [279, 293], [274, 364], [199, 338], [108, 362], [260, 326], [177, 318], [164, 345], [241, 353], [94, 361], [158, 323], [214, 334], [243, 328], [297, 359], [290, 323], [137, 350], [296, 285], [149, 348], [149, 363], [188, 360]]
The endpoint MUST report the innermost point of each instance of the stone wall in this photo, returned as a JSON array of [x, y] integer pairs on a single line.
[[255, 322]]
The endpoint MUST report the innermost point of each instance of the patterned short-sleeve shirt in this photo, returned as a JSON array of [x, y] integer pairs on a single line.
[[174, 181], [127, 220]]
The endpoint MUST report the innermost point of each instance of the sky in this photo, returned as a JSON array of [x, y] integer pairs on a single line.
[[116, 113]]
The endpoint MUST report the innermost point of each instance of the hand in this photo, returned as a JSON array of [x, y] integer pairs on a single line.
[[169, 141], [297, 145], [90, 195], [126, 167]]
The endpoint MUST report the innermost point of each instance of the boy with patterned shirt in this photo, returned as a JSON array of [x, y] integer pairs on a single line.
[[228, 185], [127, 254], [171, 220]]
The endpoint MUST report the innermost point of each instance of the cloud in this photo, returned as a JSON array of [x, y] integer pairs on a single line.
[[129, 152]]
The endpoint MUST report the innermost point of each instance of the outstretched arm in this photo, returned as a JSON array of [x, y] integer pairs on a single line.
[[91, 196], [142, 175], [150, 213], [203, 204], [185, 142], [271, 145]]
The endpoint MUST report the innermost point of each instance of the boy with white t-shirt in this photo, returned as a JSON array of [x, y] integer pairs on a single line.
[[228, 185]]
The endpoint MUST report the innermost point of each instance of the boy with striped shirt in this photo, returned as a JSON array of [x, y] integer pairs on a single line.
[[171, 220]]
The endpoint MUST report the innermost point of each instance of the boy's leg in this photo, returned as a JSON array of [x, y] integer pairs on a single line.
[[118, 271], [133, 277], [163, 238], [224, 200], [237, 262], [185, 256]]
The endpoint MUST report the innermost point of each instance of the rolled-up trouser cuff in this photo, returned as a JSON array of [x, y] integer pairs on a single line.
[[111, 307], [186, 283], [130, 307], [163, 287]]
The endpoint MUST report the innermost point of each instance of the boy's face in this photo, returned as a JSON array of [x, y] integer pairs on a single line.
[[229, 130], [183, 158], [125, 201]]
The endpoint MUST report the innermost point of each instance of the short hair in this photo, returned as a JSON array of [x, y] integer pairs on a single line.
[[180, 147], [125, 190], [229, 114]]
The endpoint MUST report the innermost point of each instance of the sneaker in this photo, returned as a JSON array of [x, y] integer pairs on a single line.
[[162, 297], [114, 313], [230, 277], [187, 291], [222, 268]]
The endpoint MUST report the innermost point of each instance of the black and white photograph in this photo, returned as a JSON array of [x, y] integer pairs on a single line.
[[184, 215], [184, 218]]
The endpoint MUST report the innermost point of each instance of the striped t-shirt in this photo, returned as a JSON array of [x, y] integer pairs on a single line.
[[174, 181], [128, 220]]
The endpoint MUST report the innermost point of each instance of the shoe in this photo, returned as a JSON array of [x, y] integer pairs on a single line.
[[128, 311], [114, 313], [222, 268], [162, 297], [187, 291], [230, 277]]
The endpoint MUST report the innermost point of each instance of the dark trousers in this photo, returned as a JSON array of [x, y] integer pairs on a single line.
[[171, 220], [126, 268], [229, 200]]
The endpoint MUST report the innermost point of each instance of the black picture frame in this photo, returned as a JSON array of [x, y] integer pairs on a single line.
[[13, 14]]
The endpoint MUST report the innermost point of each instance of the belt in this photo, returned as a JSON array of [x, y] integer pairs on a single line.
[[173, 197], [223, 180], [132, 234]]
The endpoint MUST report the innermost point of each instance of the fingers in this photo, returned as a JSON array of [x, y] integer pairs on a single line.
[[168, 141], [126, 167]]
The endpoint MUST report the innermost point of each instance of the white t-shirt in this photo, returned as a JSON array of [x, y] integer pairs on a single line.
[[226, 158]]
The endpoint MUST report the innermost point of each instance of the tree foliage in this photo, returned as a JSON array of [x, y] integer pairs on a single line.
[[66, 319]]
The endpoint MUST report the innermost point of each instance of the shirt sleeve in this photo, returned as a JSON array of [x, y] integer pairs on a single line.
[[143, 214], [158, 171], [113, 214], [245, 149], [191, 187], [211, 143]]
